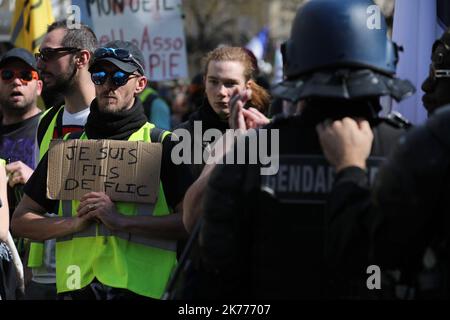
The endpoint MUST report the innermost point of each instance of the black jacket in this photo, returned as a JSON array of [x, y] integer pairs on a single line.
[[207, 119], [405, 215], [264, 236]]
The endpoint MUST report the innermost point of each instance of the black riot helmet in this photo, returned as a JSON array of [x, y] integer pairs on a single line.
[[340, 49]]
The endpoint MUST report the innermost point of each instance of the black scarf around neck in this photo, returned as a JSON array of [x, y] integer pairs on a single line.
[[210, 119], [115, 126]]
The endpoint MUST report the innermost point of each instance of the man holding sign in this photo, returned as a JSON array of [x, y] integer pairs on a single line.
[[110, 249]]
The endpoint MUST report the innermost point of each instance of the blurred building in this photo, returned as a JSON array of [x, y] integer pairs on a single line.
[[210, 23], [234, 22]]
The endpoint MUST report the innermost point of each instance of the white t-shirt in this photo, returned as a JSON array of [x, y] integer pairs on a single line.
[[75, 119]]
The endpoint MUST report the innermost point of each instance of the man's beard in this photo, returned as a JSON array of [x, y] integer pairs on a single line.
[[63, 82], [12, 109]]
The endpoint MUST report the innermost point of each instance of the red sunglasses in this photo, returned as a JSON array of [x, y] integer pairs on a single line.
[[25, 76]]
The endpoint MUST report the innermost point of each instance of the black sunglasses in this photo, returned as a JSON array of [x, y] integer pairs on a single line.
[[48, 54], [118, 78], [118, 53]]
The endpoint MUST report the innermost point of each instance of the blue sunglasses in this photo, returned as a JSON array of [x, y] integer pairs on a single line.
[[118, 78]]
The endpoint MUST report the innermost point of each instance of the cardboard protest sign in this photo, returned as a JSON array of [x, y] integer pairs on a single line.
[[125, 170], [155, 26]]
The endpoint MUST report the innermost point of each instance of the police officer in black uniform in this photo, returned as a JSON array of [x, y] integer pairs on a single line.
[[436, 85], [263, 235], [404, 217]]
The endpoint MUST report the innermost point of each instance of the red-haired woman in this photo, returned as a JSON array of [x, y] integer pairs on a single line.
[[228, 71]]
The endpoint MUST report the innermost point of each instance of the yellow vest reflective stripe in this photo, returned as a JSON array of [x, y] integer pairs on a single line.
[[117, 259], [48, 136], [94, 230], [36, 254]]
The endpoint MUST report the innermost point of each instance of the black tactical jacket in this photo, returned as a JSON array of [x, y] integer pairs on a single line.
[[264, 236]]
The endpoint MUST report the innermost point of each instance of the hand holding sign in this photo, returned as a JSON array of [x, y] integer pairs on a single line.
[[99, 206], [81, 223]]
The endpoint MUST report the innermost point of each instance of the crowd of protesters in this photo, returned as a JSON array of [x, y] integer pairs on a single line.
[[218, 230]]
